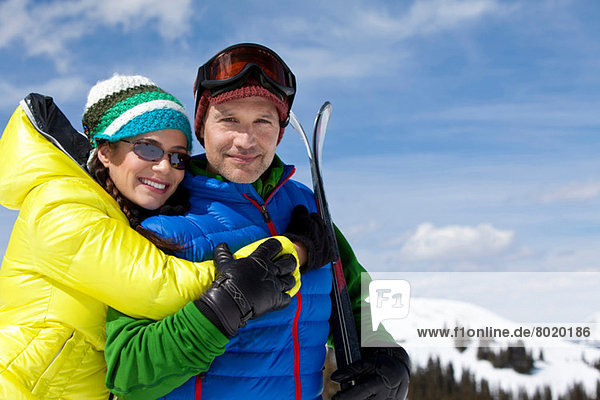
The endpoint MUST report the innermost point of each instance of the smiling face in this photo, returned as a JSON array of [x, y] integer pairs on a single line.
[[240, 137], [147, 184]]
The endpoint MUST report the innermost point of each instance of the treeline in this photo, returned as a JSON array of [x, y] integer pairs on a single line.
[[515, 357], [436, 382]]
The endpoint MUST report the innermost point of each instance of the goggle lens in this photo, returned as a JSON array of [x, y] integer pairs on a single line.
[[221, 72], [228, 65], [151, 152]]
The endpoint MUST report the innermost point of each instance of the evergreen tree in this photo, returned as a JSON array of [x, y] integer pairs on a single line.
[[523, 395], [484, 390], [547, 393], [437, 382]]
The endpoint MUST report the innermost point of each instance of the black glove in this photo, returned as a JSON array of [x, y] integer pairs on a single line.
[[381, 373], [247, 287], [311, 231]]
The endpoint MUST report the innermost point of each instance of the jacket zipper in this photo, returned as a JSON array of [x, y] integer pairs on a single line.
[[263, 210], [295, 337], [263, 207], [265, 213]]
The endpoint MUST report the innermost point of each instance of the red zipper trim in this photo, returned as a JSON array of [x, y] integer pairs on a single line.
[[263, 207], [198, 390], [296, 340], [280, 185]]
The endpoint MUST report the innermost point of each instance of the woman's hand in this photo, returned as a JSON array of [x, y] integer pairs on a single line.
[[310, 234]]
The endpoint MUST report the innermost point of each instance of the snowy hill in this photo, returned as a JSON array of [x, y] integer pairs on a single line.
[[563, 361]]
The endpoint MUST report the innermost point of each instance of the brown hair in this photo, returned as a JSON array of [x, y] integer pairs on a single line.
[[177, 204]]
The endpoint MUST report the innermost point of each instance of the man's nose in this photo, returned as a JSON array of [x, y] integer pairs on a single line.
[[245, 137]]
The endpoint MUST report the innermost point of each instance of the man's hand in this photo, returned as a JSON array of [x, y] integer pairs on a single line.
[[310, 230], [382, 374], [248, 287]]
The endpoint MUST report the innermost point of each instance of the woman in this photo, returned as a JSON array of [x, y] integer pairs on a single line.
[[72, 252]]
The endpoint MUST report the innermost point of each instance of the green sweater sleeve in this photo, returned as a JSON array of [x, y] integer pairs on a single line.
[[147, 359], [352, 272]]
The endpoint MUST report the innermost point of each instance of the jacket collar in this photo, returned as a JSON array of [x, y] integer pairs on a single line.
[[201, 183]]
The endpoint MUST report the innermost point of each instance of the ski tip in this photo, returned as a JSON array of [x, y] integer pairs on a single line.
[[295, 123], [326, 106]]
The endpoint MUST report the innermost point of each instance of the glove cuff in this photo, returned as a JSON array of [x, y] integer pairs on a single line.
[[221, 309]]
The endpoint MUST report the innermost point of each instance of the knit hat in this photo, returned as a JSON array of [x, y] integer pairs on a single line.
[[250, 88], [126, 106]]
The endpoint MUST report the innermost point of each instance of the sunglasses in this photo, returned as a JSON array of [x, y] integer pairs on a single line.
[[151, 152], [224, 72]]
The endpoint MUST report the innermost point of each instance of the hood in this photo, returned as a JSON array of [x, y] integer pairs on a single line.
[[38, 144]]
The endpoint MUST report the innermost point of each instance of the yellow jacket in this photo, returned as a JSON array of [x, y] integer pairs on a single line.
[[71, 254]]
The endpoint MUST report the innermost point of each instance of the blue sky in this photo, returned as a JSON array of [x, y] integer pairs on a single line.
[[464, 133]]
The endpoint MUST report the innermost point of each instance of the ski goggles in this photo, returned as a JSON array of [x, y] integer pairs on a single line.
[[151, 152], [228, 69]]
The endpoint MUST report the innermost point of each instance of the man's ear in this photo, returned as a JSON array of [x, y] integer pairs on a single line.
[[200, 134], [202, 131], [104, 151]]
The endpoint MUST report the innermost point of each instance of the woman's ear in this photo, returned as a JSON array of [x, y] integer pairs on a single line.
[[104, 153]]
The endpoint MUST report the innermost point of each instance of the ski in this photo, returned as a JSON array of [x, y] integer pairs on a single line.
[[345, 336]]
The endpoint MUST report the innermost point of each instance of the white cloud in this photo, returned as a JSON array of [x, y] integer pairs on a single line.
[[61, 89], [572, 192], [427, 17], [14, 21], [581, 256], [171, 17], [48, 28], [364, 229], [455, 242], [424, 17], [349, 41], [325, 63]]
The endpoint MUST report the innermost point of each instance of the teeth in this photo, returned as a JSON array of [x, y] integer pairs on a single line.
[[153, 184]]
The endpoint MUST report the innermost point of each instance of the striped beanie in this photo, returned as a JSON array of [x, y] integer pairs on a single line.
[[126, 106], [249, 88]]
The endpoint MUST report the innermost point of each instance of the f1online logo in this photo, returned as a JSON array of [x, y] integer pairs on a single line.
[[389, 299]]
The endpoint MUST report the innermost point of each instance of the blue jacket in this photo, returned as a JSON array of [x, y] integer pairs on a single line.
[[279, 355]]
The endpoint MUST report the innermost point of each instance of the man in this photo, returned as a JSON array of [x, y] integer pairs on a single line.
[[241, 191]]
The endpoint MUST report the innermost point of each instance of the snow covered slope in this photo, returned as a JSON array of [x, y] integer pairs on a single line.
[[564, 362]]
